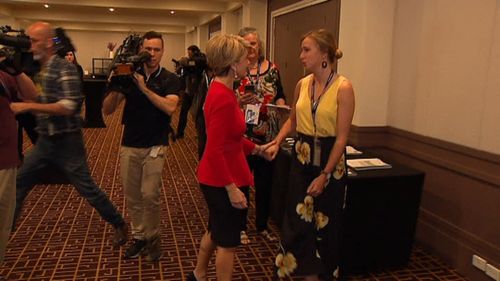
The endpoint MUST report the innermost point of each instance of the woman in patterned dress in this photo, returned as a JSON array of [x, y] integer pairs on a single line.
[[264, 80], [321, 115]]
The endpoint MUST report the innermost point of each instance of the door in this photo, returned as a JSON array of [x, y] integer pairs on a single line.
[[288, 30]]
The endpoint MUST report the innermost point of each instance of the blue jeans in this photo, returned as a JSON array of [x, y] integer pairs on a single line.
[[67, 152]]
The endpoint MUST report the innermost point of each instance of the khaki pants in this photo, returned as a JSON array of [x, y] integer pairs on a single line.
[[141, 170], [7, 206]]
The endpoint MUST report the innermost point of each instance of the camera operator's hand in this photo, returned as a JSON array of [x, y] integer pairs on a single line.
[[140, 82]]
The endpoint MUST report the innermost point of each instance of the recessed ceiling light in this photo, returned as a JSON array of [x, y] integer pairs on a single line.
[[172, 12], [46, 6], [111, 9]]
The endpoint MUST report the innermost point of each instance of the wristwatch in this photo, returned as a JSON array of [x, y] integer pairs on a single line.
[[327, 174]]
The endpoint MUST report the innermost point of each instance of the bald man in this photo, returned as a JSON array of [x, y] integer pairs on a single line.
[[59, 124]]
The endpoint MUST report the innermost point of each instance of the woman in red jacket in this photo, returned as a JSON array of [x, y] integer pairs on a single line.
[[223, 171]]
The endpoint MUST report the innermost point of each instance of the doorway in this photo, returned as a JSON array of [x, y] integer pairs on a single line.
[[289, 28]]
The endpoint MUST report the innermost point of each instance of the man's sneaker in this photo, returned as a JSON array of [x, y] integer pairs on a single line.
[[121, 234], [136, 249], [154, 249]]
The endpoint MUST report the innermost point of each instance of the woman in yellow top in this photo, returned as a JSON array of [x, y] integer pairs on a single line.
[[321, 116]]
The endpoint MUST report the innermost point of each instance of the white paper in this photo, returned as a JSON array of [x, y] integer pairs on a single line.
[[367, 164], [352, 151]]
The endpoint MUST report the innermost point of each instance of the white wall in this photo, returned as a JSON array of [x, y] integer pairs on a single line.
[[7, 20], [453, 41], [93, 45], [366, 41], [254, 14], [231, 21], [426, 66]]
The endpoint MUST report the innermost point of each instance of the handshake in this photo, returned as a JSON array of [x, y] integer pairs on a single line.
[[267, 151]]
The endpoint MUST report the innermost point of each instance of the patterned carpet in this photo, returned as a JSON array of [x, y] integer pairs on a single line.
[[60, 237]]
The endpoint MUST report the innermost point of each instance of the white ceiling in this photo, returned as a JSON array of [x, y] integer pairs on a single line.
[[129, 15]]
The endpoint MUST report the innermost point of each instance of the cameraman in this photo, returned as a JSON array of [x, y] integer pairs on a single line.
[[192, 73], [149, 104], [59, 124]]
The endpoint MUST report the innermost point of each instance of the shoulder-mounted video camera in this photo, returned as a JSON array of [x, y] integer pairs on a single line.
[[16, 50], [194, 65], [128, 59], [15, 54]]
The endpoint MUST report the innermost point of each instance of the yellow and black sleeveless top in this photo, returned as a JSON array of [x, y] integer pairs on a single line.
[[325, 122]]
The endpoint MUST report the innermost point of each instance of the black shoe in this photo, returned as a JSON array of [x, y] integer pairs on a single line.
[[136, 249], [121, 235], [154, 249], [191, 277]]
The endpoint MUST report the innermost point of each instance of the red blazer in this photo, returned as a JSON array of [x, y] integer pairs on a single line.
[[224, 159]]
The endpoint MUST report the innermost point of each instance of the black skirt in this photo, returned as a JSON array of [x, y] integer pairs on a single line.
[[224, 221]]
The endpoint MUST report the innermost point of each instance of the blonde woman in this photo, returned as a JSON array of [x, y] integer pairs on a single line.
[[223, 172], [321, 115]]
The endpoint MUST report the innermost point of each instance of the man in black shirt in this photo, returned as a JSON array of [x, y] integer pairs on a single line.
[[191, 69], [151, 96]]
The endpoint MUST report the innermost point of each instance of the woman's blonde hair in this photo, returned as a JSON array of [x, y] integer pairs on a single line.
[[326, 43], [223, 50]]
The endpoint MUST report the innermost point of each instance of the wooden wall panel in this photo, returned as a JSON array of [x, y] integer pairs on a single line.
[[460, 203]]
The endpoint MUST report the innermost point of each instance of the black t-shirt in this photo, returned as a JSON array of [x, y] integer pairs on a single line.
[[145, 124]]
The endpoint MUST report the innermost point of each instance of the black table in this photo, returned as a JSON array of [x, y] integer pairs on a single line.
[[93, 89], [380, 216]]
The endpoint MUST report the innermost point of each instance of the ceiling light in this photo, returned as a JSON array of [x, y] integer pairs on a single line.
[[46, 6], [111, 9], [172, 12]]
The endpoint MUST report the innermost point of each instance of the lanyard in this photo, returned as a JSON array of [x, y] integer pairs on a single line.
[[315, 104], [256, 84]]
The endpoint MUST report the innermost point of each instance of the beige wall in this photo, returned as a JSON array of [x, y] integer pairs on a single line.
[[426, 66], [231, 21], [254, 14], [365, 38], [93, 45]]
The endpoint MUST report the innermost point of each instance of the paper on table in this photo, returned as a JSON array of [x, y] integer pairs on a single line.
[[367, 164], [352, 151]]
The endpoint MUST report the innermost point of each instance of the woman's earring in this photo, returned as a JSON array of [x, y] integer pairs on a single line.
[[235, 73], [324, 64]]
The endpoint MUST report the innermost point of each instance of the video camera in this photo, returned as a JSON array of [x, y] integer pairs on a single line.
[[128, 59], [187, 66], [16, 52]]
